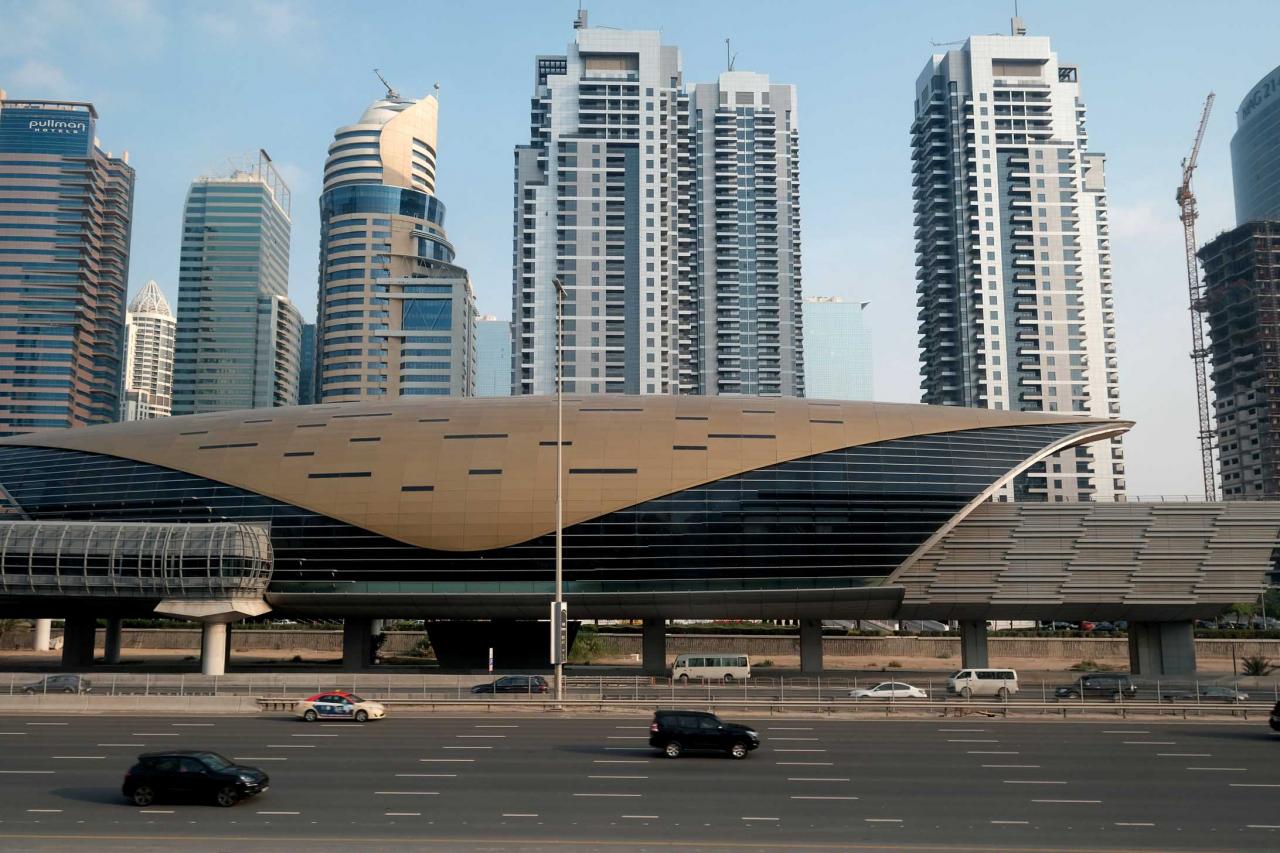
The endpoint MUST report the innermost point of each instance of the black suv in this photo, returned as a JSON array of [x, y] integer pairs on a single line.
[[1275, 718], [59, 684], [191, 775], [1104, 686], [514, 684], [675, 731]]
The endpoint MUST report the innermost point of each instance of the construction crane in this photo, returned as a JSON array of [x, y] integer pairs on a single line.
[[1199, 354]]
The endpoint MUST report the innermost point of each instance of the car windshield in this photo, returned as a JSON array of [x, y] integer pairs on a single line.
[[354, 698], [214, 761]]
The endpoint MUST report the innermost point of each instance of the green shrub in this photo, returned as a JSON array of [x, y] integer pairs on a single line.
[[589, 646], [1257, 665], [764, 663], [893, 664], [1091, 666]]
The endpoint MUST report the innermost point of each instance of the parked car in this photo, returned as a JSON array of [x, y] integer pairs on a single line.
[[1205, 694], [60, 684], [1105, 686], [514, 684], [1275, 718], [889, 690], [1103, 628], [191, 775], [339, 705], [674, 732]]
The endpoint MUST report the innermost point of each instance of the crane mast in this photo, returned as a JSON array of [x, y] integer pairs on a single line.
[[1199, 353]]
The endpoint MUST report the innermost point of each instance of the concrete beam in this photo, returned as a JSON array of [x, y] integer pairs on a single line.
[[111, 642], [1162, 648], [653, 647], [973, 644], [811, 646], [78, 634]]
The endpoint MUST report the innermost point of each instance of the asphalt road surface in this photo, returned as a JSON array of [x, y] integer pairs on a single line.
[[526, 782]]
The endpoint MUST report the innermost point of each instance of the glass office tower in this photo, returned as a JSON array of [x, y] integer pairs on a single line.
[[239, 337], [66, 210], [493, 357], [837, 347], [1255, 152]]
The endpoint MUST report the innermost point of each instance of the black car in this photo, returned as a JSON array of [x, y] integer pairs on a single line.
[[1275, 718], [191, 775], [514, 684], [59, 684], [1102, 686], [673, 732]]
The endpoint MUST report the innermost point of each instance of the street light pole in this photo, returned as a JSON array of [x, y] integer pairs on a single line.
[[557, 621]]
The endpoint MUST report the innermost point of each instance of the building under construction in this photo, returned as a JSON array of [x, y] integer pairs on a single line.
[[1242, 306]]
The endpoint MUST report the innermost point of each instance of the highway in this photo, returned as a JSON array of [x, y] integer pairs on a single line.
[[539, 782]]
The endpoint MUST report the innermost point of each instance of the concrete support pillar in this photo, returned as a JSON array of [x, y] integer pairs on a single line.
[[111, 642], [653, 646], [357, 643], [1162, 648], [40, 636], [213, 648], [226, 658], [811, 646], [973, 644], [77, 642]]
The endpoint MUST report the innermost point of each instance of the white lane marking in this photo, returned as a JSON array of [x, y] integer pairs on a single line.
[[1185, 754], [448, 760], [12, 733], [1125, 732], [619, 761], [639, 816], [632, 728], [291, 746], [486, 736], [1240, 769], [335, 726], [1132, 823], [883, 819], [497, 726], [962, 730], [402, 814], [47, 724], [796, 738], [626, 737], [817, 778], [804, 763], [1261, 826], [1011, 822], [279, 812], [20, 772], [154, 734], [1066, 801], [407, 793], [314, 735], [467, 747], [799, 750], [426, 775], [84, 757], [1015, 766], [519, 814], [1033, 782], [625, 749], [815, 797], [45, 811], [790, 728], [155, 811], [192, 725], [1150, 742], [617, 777], [991, 752], [972, 740], [1253, 785], [608, 795], [122, 744], [761, 818]]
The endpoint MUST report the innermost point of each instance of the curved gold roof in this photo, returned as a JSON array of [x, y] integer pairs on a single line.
[[468, 474]]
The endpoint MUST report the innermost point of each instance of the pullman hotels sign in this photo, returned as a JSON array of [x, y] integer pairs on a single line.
[[41, 130]]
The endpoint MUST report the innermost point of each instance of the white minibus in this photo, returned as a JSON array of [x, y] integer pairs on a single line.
[[711, 667], [983, 682]]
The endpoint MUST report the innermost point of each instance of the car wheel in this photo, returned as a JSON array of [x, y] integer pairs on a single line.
[[310, 715], [362, 716], [1003, 694], [673, 749], [143, 795], [965, 693], [68, 690], [684, 679], [30, 691], [738, 750], [227, 796], [728, 678]]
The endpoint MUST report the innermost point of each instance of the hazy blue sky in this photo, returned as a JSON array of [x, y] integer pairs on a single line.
[[184, 86]]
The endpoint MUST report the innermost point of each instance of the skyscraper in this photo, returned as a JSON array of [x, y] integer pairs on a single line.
[[493, 357], [238, 334], [743, 313], [1255, 154], [66, 210], [837, 347], [148, 371], [396, 316], [672, 220], [307, 368], [1013, 252]]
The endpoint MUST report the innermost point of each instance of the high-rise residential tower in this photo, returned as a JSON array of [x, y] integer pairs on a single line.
[[493, 357], [148, 368], [66, 210], [238, 335], [671, 219], [837, 346], [1013, 251], [742, 317], [396, 316], [307, 367]]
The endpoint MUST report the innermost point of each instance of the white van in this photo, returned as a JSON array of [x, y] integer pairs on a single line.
[[1001, 683], [711, 667]]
